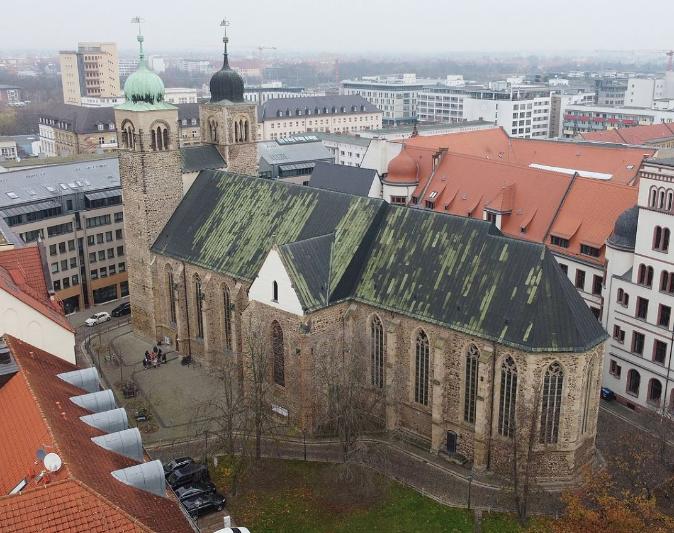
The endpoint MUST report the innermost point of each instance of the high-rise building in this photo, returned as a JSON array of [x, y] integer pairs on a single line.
[[90, 71]]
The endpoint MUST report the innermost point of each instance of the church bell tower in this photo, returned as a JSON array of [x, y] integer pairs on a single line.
[[227, 121], [150, 172]]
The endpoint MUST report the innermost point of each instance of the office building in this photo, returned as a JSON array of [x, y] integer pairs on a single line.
[[90, 71]]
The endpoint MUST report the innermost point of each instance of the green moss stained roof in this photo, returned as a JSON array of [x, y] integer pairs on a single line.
[[452, 271]]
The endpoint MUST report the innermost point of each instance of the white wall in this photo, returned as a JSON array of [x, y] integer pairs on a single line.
[[379, 155], [23, 322], [262, 288]]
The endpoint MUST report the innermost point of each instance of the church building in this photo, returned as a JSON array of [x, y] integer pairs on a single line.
[[460, 328]]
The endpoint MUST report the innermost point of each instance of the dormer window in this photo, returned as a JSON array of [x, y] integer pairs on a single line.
[[586, 249], [274, 291], [490, 217], [559, 241]]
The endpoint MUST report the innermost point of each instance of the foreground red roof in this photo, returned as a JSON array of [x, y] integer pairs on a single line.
[[620, 163], [83, 495], [25, 265], [637, 135]]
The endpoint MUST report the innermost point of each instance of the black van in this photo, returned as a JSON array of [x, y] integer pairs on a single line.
[[190, 473]]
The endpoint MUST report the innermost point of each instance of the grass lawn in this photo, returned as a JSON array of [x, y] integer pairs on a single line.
[[290, 496]]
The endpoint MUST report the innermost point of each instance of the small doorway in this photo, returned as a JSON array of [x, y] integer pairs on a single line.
[[452, 438]]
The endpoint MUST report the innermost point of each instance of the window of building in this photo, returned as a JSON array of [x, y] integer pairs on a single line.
[[99, 238], [91, 240], [470, 389], [92, 257], [73, 262], [103, 272], [559, 241], [119, 216], [121, 266], [586, 249], [580, 279], [597, 284], [171, 294], [101, 220], [398, 200], [619, 334], [227, 317], [645, 275], [587, 397], [659, 351], [638, 340], [507, 398], [623, 298], [614, 369], [642, 308], [111, 253], [52, 249], [112, 269], [66, 283], [633, 382], [278, 354], [421, 368], [274, 291], [654, 392], [101, 255], [664, 315], [551, 404], [661, 239], [118, 234], [199, 299], [71, 245], [94, 274], [377, 352], [667, 282], [565, 268], [108, 236], [62, 247], [75, 279]]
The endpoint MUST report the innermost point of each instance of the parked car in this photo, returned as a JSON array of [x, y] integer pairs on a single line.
[[187, 475], [122, 309], [97, 318], [196, 489], [174, 464], [607, 394], [204, 504]]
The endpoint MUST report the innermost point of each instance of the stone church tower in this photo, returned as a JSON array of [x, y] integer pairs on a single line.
[[150, 171], [228, 122]]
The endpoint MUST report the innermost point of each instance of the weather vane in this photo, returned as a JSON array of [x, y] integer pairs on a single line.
[[139, 21]]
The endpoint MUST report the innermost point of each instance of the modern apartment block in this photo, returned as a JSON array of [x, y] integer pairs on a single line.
[[75, 209], [522, 111], [67, 130], [579, 119], [395, 95], [279, 118], [639, 294], [90, 71], [610, 91]]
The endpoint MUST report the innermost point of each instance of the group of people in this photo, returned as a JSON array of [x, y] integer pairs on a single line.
[[154, 358]]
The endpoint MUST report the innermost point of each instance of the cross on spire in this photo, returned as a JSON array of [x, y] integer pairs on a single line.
[[139, 21], [225, 40]]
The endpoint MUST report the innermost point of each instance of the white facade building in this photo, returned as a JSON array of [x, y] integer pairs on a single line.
[[395, 95], [347, 150], [642, 92], [180, 95], [639, 294]]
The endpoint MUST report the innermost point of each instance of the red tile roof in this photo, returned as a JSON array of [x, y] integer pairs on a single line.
[[466, 185], [22, 276], [638, 135], [622, 163], [110, 504], [581, 221]]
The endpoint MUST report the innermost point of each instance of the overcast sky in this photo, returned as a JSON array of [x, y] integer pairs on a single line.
[[355, 26]]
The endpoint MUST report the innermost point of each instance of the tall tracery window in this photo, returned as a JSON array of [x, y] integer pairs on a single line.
[[199, 299], [587, 397], [277, 351], [422, 363], [551, 405], [172, 296], [653, 197], [508, 398], [661, 239], [213, 130], [165, 133], [472, 356], [227, 317], [377, 352]]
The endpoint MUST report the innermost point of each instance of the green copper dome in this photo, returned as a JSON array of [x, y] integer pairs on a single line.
[[143, 86]]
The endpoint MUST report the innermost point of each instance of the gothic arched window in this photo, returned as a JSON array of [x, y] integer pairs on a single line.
[[654, 391], [166, 138], [551, 404], [199, 299], [171, 286], [508, 398], [472, 356], [227, 317], [587, 397], [277, 351], [377, 352], [421, 368], [160, 139]]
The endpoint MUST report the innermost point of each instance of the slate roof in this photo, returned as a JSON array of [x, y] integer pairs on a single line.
[[201, 157], [453, 271], [82, 495], [294, 106], [278, 154], [624, 235], [342, 178]]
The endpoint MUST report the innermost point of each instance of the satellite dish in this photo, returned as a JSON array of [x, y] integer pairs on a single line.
[[40, 454], [52, 462]]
